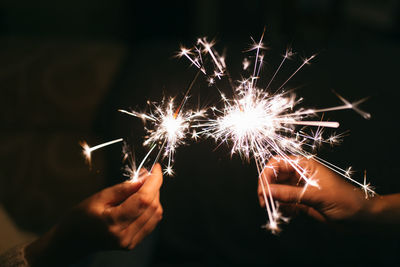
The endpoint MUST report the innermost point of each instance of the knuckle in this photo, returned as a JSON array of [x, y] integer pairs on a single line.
[[109, 219], [159, 214], [144, 201], [154, 205]]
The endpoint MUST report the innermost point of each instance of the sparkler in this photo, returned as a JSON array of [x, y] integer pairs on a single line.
[[259, 124], [130, 170], [87, 150], [170, 125]]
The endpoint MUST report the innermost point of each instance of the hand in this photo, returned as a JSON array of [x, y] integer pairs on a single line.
[[117, 217], [334, 200]]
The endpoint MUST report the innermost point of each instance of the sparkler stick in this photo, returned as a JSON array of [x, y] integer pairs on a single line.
[[331, 124], [137, 171], [185, 52], [130, 169], [185, 97], [257, 47], [87, 150], [287, 55], [207, 48], [305, 62]]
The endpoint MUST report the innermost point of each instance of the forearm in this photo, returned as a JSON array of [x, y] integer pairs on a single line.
[[385, 210], [46, 251], [58, 247]]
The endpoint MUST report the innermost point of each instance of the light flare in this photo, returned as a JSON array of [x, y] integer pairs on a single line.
[[259, 124]]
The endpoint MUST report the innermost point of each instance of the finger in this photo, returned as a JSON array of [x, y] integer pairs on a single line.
[[125, 228], [279, 170], [294, 194], [137, 204], [136, 221], [297, 209], [153, 181], [262, 191], [143, 172], [147, 228], [116, 194], [129, 230]]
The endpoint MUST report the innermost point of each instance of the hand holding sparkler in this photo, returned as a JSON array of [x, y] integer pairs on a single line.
[[258, 122], [334, 201], [117, 217]]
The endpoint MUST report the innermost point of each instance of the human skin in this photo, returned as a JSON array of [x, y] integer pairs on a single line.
[[118, 217], [334, 200]]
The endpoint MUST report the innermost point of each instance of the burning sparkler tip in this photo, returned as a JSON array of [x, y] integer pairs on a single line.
[[169, 171], [87, 152]]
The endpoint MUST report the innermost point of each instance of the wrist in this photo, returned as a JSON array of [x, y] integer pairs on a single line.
[[376, 208]]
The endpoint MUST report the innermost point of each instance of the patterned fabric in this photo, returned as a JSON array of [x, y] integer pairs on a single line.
[[14, 257]]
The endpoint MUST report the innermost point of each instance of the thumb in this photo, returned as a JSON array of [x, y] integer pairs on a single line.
[[292, 194], [116, 194]]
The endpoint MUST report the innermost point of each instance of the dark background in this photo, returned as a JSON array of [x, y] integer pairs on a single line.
[[67, 66]]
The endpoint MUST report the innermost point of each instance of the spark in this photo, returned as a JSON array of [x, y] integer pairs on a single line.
[[186, 53], [305, 62], [367, 188], [349, 171], [287, 55], [169, 128], [87, 150], [208, 49], [195, 135], [245, 63], [259, 125]]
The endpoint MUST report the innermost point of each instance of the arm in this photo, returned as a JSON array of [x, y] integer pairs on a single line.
[[385, 210]]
